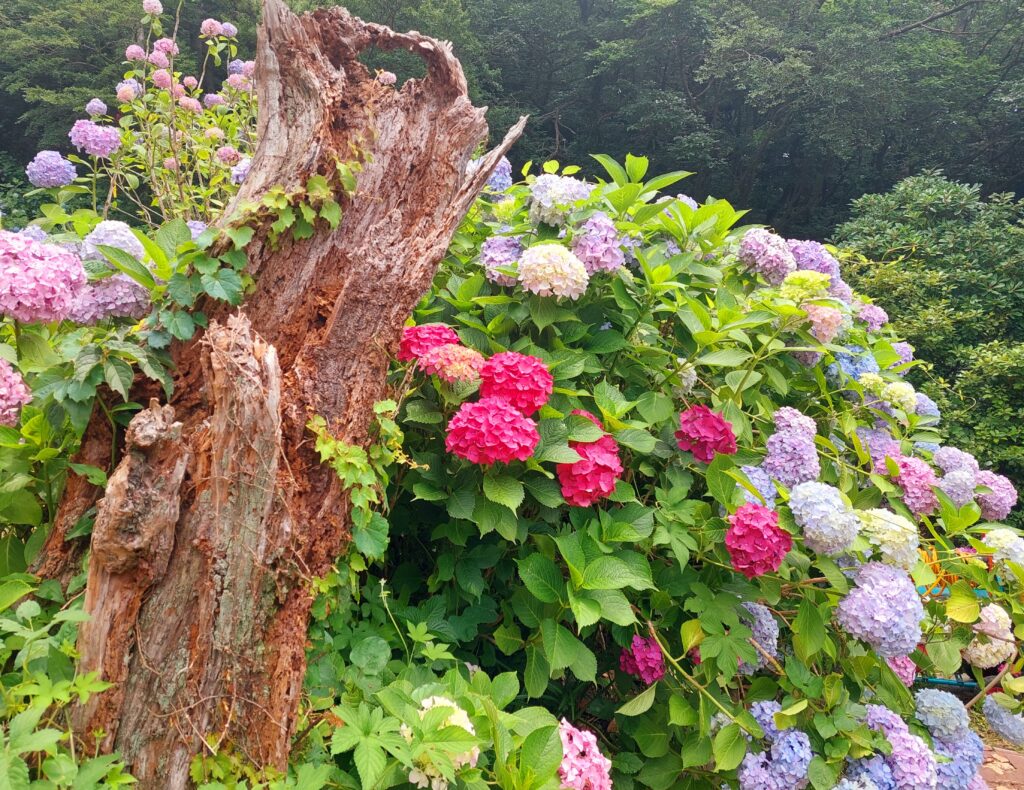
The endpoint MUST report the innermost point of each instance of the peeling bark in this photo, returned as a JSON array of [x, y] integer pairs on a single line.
[[220, 512]]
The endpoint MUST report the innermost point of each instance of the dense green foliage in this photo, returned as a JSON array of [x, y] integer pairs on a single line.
[[949, 267], [793, 108]]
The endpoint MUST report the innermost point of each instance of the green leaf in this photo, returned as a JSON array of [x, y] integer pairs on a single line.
[[178, 323], [118, 375], [726, 357], [223, 284], [611, 573], [542, 578], [822, 775], [504, 489], [172, 235], [127, 264], [371, 539], [240, 237], [721, 484], [641, 703], [370, 762], [331, 212], [560, 646], [636, 439], [963, 604], [537, 672], [371, 654], [729, 747], [542, 752], [13, 591]]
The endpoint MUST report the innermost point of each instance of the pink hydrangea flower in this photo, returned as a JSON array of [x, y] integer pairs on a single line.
[[643, 659], [94, 139], [13, 394], [418, 340], [705, 433], [170, 163], [489, 431], [996, 505], [159, 59], [162, 78], [917, 479], [37, 281], [825, 322], [190, 82], [237, 81], [248, 68], [593, 477], [452, 362], [152, 7], [228, 155], [905, 669], [134, 52], [756, 543], [520, 379], [190, 104], [583, 766], [386, 77], [210, 28], [166, 45]]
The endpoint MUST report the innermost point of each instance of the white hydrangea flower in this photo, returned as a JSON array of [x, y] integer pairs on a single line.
[[552, 197], [112, 233], [1006, 543], [894, 536], [551, 269], [995, 642], [901, 395], [426, 774]]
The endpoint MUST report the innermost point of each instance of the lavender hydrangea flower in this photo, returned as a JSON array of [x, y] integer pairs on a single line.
[[943, 714], [764, 714], [996, 505], [912, 762], [783, 768], [37, 281], [229, 30], [236, 66], [952, 459], [830, 525], [96, 107], [787, 418], [49, 169], [792, 458], [873, 315], [552, 197], [94, 139], [118, 296], [500, 251], [926, 407], [1004, 723], [761, 481], [764, 630], [812, 255], [766, 254], [112, 233], [883, 610], [211, 100], [501, 176], [880, 445], [966, 753], [33, 232], [241, 171], [861, 783], [873, 769], [196, 228], [13, 393], [597, 244], [905, 352], [959, 486]]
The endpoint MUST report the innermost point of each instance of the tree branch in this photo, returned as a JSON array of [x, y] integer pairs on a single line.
[[938, 15]]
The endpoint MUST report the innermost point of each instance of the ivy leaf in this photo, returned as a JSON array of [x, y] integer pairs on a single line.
[[240, 237], [178, 323], [372, 539], [223, 284], [504, 489]]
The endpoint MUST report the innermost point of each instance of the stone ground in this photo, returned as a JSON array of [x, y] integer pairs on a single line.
[[1003, 769]]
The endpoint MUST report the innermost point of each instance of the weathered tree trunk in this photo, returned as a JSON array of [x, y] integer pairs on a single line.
[[220, 513]]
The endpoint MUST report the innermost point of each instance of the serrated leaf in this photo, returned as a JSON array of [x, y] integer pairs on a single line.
[[504, 489], [542, 578]]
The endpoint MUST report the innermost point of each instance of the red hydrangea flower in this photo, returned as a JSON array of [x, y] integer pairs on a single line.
[[704, 433], [491, 430], [593, 477], [417, 340], [520, 379], [755, 541], [452, 362], [643, 659]]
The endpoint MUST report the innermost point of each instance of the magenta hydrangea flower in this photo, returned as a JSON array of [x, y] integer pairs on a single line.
[[13, 393], [643, 659], [94, 139], [756, 543], [705, 433], [593, 477], [767, 254], [417, 340], [48, 169], [904, 668], [583, 767], [118, 296], [519, 379], [489, 431], [38, 282], [996, 506], [596, 243]]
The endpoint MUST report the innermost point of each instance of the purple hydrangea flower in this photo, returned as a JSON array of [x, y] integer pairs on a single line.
[[951, 459], [1004, 723], [943, 714], [597, 244], [905, 352], [13, 393], [49, 169], [959, 486], [236, 66], [792, 458], [112, 233], [196, 228], [766, 254], [213, 100], [501, 176], [498, 251], [118, 296], [926, 407], [912, 762], [789, 419], [883, 610], [764, 630], [687, 200], [764, 714], [880, 445], [841, 291], [37, 281], [96, 107], [95, 140], [830, 526], [762, 481], [229, 30], [812, 255], [873, 315], [552, 197], [241, 171], [783, 768], [996, 505], [966, 753]]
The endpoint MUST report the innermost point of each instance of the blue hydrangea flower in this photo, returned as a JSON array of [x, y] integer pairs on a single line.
[[553, 197], [764, 714], [501, 176], [764, 630], [943, 714], [829, 524], [791, 757], [883, 610], [854, 362], [926, 407], [1004, 723], [874, 769], [966, 753], [860, 783], [762, 481]]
